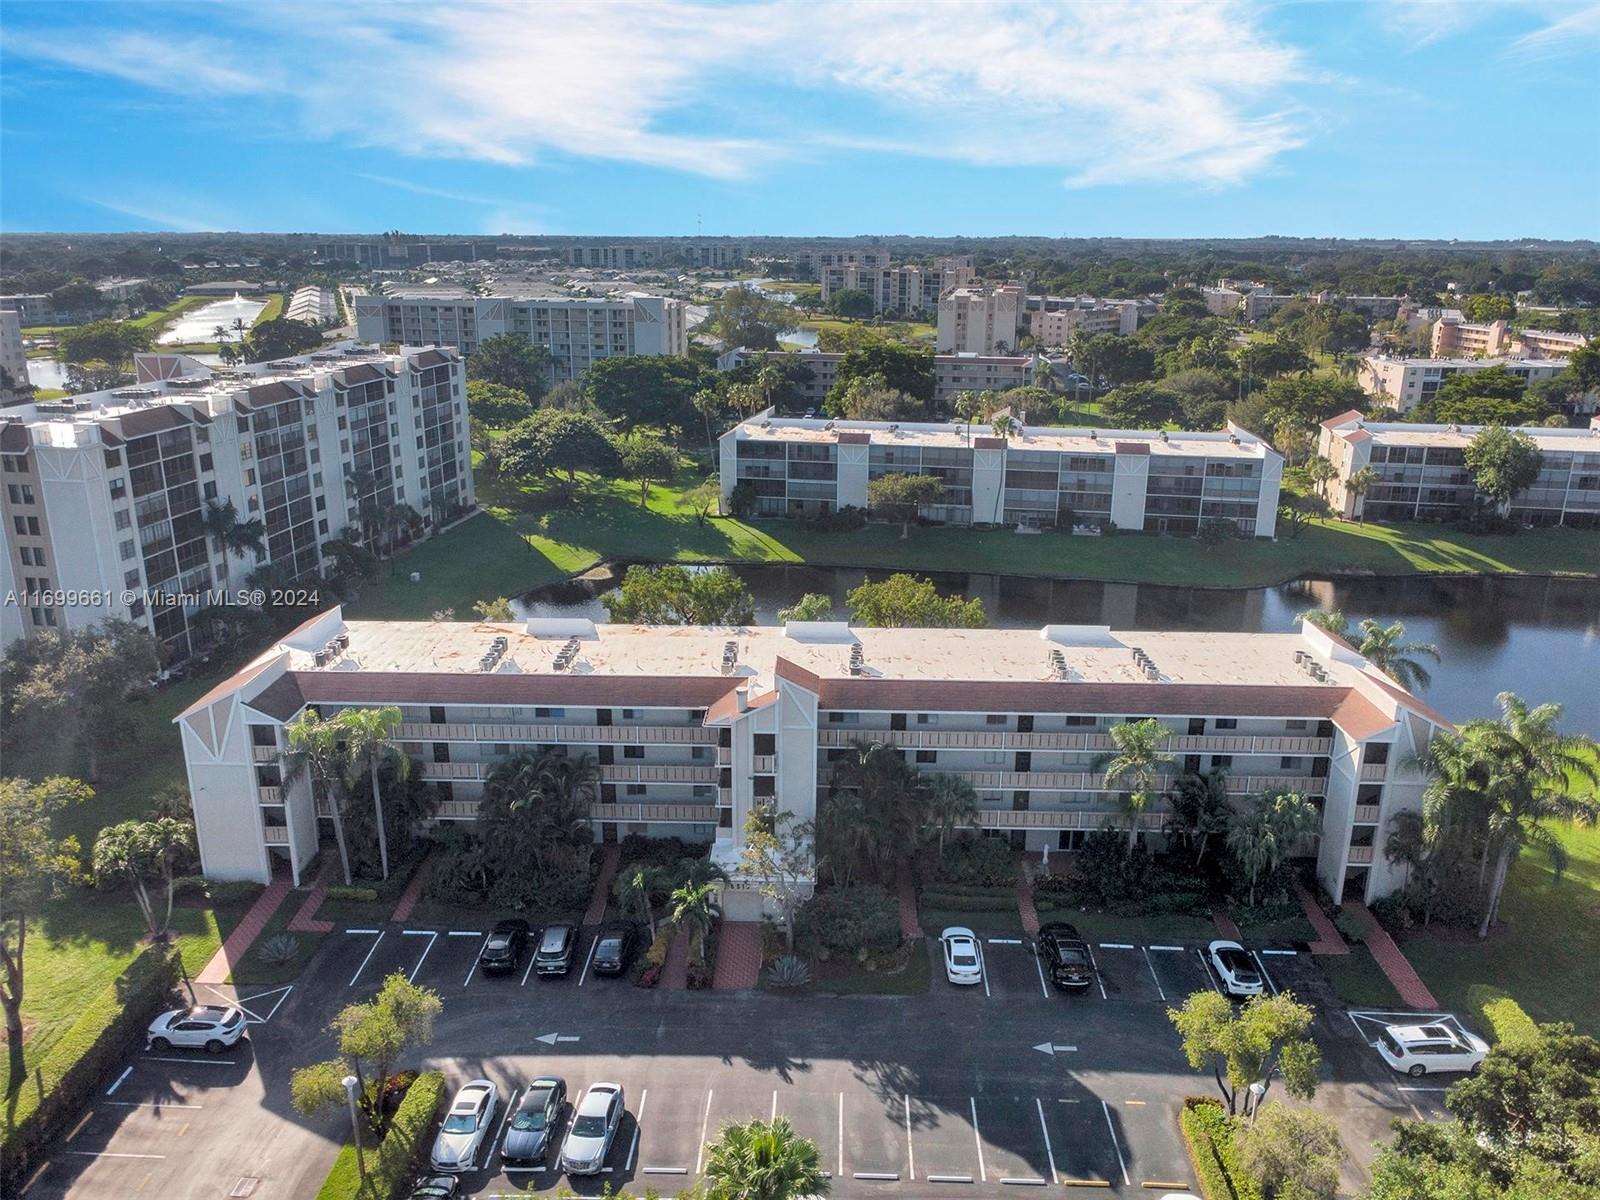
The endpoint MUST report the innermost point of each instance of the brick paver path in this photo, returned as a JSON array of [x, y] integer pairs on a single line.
[[1329, 940], [1030, 915], [245, 933], [738, 956], [305, 920], [675, 971], [413, 893], [610, 857], [1413, 992], [1225, 926], [910, 927]]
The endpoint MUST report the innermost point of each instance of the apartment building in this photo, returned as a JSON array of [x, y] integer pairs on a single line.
[[395, 253], [692, 726], [13, 355], [1409, 381], [105, 494], [1252, 301], [979, 319], [615, 258], [813, 261], [1422, 473], [904, 289], [952, 373], [32, 308], [578, 331], [1057, 326], [1374, 308], [1043, 476], [1454, 337]]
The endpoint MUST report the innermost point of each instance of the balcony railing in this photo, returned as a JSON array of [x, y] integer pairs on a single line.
[[1374, 772], [423, 731], [724, 756], [929, 739], [452, 770], [657, 773], [766, 764], [1360, 854], [270, 795], [1043, 818], [1085, 781], [1366, 814], [264, 754], [275, 835], [684, 814]]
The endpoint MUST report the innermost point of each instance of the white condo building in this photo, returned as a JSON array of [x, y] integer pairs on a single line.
[[904, 289], [13, 355], [1409, 381], [105, 494], [979, 319], [578, 332], [692, 726], [1154, 481]]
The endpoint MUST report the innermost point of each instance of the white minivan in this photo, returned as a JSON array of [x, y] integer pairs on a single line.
[[1429, 1049]]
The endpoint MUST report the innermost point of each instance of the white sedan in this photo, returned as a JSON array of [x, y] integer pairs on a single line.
[[465, 1126], [1236, 969], [963, 960], [210, 1027], [1428, 1049]]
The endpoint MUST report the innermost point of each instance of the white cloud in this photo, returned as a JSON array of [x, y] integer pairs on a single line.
[[1183, 92], [1560, 27], [1577, 31]]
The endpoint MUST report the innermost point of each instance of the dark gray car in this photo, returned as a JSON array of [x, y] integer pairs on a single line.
[[556, 947], [535, 1123]]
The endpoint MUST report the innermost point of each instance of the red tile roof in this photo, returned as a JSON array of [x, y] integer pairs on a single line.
[[1350, 414], [853, 437]]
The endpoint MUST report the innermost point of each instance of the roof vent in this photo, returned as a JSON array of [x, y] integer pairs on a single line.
[[730, 657], [858, 664], [567, 654], [1058, 664], [828, 426]]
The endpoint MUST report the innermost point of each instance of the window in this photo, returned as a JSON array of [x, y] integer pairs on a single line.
[[635, 789], [766, 744], [1221, 761], [1291, 726], [994, 757], [844, 718], [205, 462], [123, 518], [130, 578], [994, 719], [630, 714], [263, 735], [1078, 722], [119, 488], [1376, 754], [554, 714], [126, 550], [927, 756], [113, 458], [927, 718], [1289, 763], [633, 752], [1227, 723], [33, 528]]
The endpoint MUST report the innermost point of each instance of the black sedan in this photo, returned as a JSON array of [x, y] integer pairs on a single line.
[[1067, 955], [535, 1122], [615, 946], [504, 947]]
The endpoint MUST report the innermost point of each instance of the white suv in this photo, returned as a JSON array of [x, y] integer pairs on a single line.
[[1425, 1049], [211, 1027]]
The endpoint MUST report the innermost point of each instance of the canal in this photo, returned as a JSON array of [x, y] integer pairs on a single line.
[[1537, 637]]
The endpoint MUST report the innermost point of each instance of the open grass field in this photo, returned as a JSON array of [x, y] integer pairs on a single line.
[[272, 311], [158, 319]]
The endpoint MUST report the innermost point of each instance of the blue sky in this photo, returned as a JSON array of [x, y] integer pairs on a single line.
[[1171, 118]]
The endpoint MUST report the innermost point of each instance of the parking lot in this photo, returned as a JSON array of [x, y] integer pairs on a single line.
[[969, 1089]]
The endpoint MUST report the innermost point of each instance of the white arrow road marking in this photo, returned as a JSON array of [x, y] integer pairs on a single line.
[[1054, 1048], [550, 1039]]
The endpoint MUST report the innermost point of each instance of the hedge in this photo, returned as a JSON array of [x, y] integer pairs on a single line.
[[110, 1025], [1208, 1132], [356, 893], [965, 902], [389, 1170], [1499, 1016]]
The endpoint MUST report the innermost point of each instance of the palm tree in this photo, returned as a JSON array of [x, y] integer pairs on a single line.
[[316, 754], [1201, 808], [222, 522], [1406, 844], [1267, 832], [366, 733], [1330, 620], [763, 1160], [635, 891], [1250, 842], [1004, 425], [1535, 773], [951, 803], [889, 806], [694, 907], [1381, 646], [1137, 760], [1356, 486]]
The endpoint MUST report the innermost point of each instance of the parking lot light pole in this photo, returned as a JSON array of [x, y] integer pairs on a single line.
[[1257, 1091], [352, 1086]]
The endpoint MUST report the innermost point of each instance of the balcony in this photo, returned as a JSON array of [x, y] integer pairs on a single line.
[[452, 770], [657, 773], [270, 795], [1360, 855], [1085, 781], [1366, 814], [422, 731], [1374, 772], [682, 814], [275, 835], [724, 756], [457, 810], [264, 754], [1034, 818], [929, 739], [766, 764]]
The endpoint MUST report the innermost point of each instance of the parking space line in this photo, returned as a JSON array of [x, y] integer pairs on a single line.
[[983, 1174], [774, 1115], [527, 970], [1039, 967], [1289, 953], [149, 1104], [1262, 967], [1116, 945], [948, 1178], [128, 1070], [465, 932], [475, 958], [78, 1128], [1399, 1088], [370, 953], [841, 1135], [638, 1121], [433, 936], [1005, 941], [111, 1154], [1177, 949], [1034, 1182], [664, 1170], [198, 1062], [1116, 1145], [705, 1122], [594, 944], [1049, 1151], [983, 966], [1097, 977], [1160, 991], [1206, 967], [878, 1176], [282, 994], [237, 1001], [911, 1158], [511, 1107]]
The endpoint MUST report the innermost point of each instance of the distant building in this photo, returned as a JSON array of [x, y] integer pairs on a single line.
[[613, 258], [1374, 308], [1409, 381], [231, 287], [1155, 481], [904, 289], [13, 357], [578, 332], [395, 253], [106, 493], [1422, 473], [952, 373], [980, 319], [313, 305], [813, 261], [32, 308], [1454, 337], [1056, 320]]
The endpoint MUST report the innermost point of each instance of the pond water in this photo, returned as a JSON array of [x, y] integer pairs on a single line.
[[804, 338], [200, 324], [48, 373], [1537, 637]]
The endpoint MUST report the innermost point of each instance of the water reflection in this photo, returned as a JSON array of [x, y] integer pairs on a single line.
[[1534, 636], [200, 324]]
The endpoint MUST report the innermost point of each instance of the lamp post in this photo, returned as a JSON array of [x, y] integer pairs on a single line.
[[352, 1088], [1257, 1091]]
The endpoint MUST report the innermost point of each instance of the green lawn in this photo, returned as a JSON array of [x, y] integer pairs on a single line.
[[1358, 979], [1098, 926], [933, 920], [845, 977], [272, 311], [158, 319], [1544, 952]]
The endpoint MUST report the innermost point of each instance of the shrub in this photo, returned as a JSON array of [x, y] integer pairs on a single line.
[[235, 891], [1351, 926], [984, 861], [657, 954], [967, 902], [846, 519], [278, 949], [1107, 877], [638, 850], [109, 1025], [1498, 1014], [1208, 1132], [789, 971], [845, 920], [1291, 1152], [390, 1167], [361, 894], [649, 977]]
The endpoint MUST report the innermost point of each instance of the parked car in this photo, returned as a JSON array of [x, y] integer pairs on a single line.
[[594, 1127], [1069, 962], [533, 1125], [1430, 1049], [504, 947], [615, 946], [466, 1124], [556, 946], [211, 1027], [436, 1187], [1236, 969], [963, 961]]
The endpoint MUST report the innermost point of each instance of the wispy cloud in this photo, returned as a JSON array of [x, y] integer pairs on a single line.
[[177, 213], [185, 65], [1560, 28], [1578, 32]]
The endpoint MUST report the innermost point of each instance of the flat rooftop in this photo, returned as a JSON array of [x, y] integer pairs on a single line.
[[1459, 436], [1058, 438], [1475, 364]]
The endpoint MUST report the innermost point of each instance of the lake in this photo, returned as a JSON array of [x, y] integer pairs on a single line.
[[1537, 637], [200, 324]]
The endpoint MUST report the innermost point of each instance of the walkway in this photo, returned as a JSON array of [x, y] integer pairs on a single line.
[[675, 971], [910, 926], [1413, 992], [1225, 926], [413, 893], [1025, 908], [245, 932], [738, 956], [610, 857], [304, 921], [1329, 939]]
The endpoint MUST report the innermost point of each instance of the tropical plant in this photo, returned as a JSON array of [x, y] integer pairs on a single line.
[[1329, 620], [635, 889], [788, 971], [1381, 645], [694, 908], [1136, 761], [1201, 809], [278, 949], [1358, 485], [780, 856], [316, 754], [673, 595], [763, 1160], [142, 854], [222, 522], [366, 733], [951, 804], [813, 606], [904, 601], [1266, 833], [899, 497], [1292, 1153], [886, 821]]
